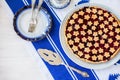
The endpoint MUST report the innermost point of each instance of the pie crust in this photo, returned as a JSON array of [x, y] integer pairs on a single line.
[[93, 34]]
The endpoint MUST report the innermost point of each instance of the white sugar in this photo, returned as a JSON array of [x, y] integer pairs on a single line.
[[24, 20]]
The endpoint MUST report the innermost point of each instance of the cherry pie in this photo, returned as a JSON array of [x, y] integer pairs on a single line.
[[93, 34]]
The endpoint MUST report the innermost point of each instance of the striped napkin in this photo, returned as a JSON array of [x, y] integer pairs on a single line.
[[52, 42]]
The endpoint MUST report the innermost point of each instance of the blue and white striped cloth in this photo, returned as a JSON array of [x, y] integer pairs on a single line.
[[52, 42]]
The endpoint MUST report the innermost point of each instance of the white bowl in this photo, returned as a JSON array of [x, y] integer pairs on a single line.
[[21, 23]]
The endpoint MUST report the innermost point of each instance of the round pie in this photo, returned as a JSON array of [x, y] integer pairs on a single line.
[[93, 34]]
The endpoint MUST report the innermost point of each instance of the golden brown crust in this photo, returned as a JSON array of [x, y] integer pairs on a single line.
[[93, 39]]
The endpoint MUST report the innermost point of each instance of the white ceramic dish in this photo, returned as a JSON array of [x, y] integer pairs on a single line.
[[22, 20], [59, 4], [69, 52]]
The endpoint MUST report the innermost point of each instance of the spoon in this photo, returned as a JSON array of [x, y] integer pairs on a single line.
[[54, 59]]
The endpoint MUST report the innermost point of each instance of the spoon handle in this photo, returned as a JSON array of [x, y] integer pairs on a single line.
[[84, 74]]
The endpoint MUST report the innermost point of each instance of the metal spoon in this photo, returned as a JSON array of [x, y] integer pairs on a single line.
[[54, 59]]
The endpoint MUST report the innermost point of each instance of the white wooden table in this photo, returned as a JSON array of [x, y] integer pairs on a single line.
[[18, 58]]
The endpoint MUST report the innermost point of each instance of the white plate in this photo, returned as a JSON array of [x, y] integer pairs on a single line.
[[59, 4], [69, 52], [22, 20]]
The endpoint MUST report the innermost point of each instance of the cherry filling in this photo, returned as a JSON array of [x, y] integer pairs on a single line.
[[93, 34]]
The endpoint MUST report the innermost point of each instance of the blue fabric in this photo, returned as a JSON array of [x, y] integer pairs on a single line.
[[58, 72], [83, 1], [114, 76]]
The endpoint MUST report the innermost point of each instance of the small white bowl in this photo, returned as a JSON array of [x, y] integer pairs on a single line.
[[21, 24]]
